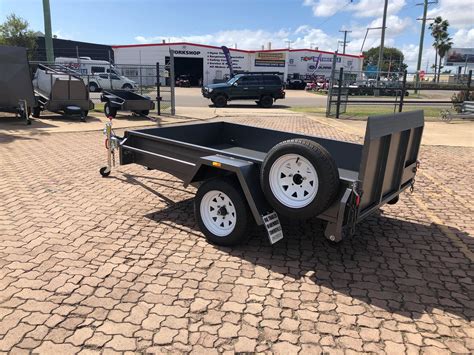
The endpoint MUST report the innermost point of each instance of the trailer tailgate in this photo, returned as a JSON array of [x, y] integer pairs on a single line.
[[389, 157]]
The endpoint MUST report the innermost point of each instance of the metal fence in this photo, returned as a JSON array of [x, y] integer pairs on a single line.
[[347, 88]]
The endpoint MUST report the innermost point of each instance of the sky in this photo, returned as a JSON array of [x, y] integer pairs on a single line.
[[249, 24]]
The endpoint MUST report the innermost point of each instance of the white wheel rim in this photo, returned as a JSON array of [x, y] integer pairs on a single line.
[[218, 213], [293, 181]]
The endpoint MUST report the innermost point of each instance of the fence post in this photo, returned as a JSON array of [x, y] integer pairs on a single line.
[[402, 94], [469, 81], [339, 91], [158, 89], [173, 108]]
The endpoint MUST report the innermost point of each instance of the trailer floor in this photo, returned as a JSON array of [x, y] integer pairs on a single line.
[[119, 264]]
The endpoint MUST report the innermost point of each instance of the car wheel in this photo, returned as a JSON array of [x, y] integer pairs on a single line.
[[299, 178], [93, 87], [222, 212], [109, 110], [220, 101], [266, 101], [127, 87]]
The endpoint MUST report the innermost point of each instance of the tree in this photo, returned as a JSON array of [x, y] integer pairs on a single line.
[[392, 61], [442, 42], [15, 32]]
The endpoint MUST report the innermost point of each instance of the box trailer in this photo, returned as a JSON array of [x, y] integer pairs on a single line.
[[248, 175], [16, 90]]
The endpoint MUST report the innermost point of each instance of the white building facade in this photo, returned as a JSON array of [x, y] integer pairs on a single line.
[[207, 64]]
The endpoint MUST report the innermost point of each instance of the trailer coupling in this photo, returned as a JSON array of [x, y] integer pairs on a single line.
[[112, 142]]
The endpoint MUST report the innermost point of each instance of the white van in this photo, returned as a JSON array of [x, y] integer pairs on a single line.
[[98, 74]]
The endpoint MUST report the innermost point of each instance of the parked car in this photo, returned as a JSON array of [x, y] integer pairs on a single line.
[[110, 82], [264, 88], [98, 74], [296, 84], [183, 81]]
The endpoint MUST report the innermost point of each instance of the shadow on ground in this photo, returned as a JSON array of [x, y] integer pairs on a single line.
[[400, 266]]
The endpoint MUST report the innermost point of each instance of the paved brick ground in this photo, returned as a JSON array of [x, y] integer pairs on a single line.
[[90, 264]]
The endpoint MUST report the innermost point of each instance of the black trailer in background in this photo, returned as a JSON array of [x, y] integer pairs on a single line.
[[16, 88]]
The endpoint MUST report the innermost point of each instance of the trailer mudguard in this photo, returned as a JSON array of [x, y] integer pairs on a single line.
[[247, 174]]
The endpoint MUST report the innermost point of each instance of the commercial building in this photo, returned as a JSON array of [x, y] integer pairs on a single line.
[[207, 64], [72, 49]]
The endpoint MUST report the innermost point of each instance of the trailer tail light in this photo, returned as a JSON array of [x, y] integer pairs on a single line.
[[216, 164], [357, 200]]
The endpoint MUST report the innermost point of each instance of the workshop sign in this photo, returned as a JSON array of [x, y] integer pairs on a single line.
[[270, 59]]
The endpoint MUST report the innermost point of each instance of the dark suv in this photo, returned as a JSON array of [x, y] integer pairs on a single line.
[[264, 88]]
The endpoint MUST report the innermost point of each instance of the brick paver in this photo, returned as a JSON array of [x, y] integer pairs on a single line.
[[91, 264]]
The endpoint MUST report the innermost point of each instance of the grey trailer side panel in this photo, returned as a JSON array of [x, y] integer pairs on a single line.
[[15, 78]]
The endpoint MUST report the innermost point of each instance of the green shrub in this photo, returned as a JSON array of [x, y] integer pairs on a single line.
[[458, 98]]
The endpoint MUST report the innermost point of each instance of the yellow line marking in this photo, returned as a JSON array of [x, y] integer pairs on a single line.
[[463, 247], [450, 192]]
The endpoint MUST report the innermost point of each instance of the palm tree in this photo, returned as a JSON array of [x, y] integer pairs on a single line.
[[443, 47], [439, 31]]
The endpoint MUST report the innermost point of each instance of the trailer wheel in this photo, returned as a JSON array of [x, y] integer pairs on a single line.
[[220, 101], [104, 171], [222, 212], [145, 112], [299, 178], [109, 110], [36, 112], [266, 101], [394, 200]]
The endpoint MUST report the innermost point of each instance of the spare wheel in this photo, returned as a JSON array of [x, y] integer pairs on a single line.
[[299, 178]]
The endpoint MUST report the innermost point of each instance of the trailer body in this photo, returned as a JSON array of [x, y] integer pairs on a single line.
[[125, 100], [371, 174], [60, 89], [16, 89]]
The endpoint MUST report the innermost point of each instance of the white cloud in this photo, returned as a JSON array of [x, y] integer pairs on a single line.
[[374, 8], [363, 8], [459, 13], [245, 39], [323, 8], [464, 38]]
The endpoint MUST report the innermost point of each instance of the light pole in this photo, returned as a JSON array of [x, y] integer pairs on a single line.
[[48, 36], [422, 37], [382, 39], [366, 33]]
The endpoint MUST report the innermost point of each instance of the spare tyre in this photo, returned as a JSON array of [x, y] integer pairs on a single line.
[[299, 178]]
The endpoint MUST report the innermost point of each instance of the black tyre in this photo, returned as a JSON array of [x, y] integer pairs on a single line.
[[220, 101], [266, 101], [394, 200], [36, 112], [145, 112], [104, 171], [299, 178], [222, 212], [127, 87], [93, 87], [109, 110], [84, 115]]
